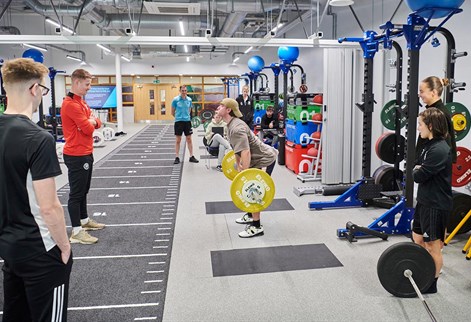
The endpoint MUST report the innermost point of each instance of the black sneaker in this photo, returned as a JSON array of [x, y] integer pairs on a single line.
[[219, 168], [193, 159], [177, 160]]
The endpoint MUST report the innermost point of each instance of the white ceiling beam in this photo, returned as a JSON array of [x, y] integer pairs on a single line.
[[155, 41]]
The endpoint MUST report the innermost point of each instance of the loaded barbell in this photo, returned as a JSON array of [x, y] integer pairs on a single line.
[[252, 190], [407, 270]]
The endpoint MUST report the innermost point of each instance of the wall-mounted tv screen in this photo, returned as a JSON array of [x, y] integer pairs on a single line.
[[101, 96]]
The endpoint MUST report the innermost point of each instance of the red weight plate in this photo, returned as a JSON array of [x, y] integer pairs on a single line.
[[461, 170]]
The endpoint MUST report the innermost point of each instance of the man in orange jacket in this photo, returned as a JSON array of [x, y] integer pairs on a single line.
[[78, 125]]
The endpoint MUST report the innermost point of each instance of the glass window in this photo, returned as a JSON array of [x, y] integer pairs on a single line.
[[191, 80], [169, 79], [127, 89], [102, 80], [214, 88], [213, 80], [213, 97], [196, 97], [128, 98], [194, 88], [147, 80]]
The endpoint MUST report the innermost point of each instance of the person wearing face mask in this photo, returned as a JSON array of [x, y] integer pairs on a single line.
[[246, 106], [430, 92], [78, 125]]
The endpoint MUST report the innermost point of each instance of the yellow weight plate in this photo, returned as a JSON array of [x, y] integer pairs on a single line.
[[252, 190], [229, 166], [459, 122]]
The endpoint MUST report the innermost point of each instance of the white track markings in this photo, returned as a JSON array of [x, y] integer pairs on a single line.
[[148, 318], [126, 203], [151, 292], [101, 307], [126, 176], [153, 281], [120, 256]]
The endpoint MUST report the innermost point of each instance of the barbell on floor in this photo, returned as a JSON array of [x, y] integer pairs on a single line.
[[252, 190], [406, 270]]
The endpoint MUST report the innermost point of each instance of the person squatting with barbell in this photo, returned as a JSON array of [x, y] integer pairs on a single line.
[[434, 197], [250, 152]]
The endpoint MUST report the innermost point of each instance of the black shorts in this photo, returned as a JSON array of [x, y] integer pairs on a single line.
[[183, 127], [430, 222]]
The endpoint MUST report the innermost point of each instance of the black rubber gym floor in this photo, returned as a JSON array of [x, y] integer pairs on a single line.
[[225, 207], [272, 259], [134, 192]]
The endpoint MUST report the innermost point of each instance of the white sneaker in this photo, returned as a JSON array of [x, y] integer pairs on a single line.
[[245, 219], [251, 231]]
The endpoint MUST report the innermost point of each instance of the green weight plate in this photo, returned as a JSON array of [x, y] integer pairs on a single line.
[[461, 119], [388, 115], [195, 122]]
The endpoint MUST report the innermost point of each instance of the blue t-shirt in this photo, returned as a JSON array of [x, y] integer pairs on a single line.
[[182, 108]]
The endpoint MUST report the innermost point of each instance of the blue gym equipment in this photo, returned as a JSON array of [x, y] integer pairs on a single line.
[[53, 111], [256, 64], [417, 31], [34, 54], [434, 8]]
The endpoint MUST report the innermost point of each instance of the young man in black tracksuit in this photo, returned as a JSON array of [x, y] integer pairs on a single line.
[[434, 198]]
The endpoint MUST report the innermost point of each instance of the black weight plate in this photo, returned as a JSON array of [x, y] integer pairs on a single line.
[[396, 259], [461, 206], [384, 176], [386, 147]]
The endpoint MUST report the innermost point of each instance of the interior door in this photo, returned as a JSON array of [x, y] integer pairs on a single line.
[[153, 102], [166, 93], [146, 102]]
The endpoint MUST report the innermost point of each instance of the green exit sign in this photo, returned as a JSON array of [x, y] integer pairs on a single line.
[[156, 81]]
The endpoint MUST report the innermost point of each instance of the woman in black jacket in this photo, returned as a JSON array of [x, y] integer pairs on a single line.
[[430, 91], [434, 198]]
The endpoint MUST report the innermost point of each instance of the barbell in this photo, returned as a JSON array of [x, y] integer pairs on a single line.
[[407, 270], [252, 190]]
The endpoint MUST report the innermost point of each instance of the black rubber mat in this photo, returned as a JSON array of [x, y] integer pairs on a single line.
[[272, 259], [225, 207]]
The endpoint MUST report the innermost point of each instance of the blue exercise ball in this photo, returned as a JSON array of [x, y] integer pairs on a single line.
[[256, 64], [416, 5], [288, 54], [35, 54]]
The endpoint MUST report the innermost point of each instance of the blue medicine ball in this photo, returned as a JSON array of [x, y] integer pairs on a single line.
[[35, 54], [256, 64], [288, 54], [440, 13]]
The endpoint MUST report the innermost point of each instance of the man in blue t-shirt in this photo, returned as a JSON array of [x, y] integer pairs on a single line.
[[181, 108]]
